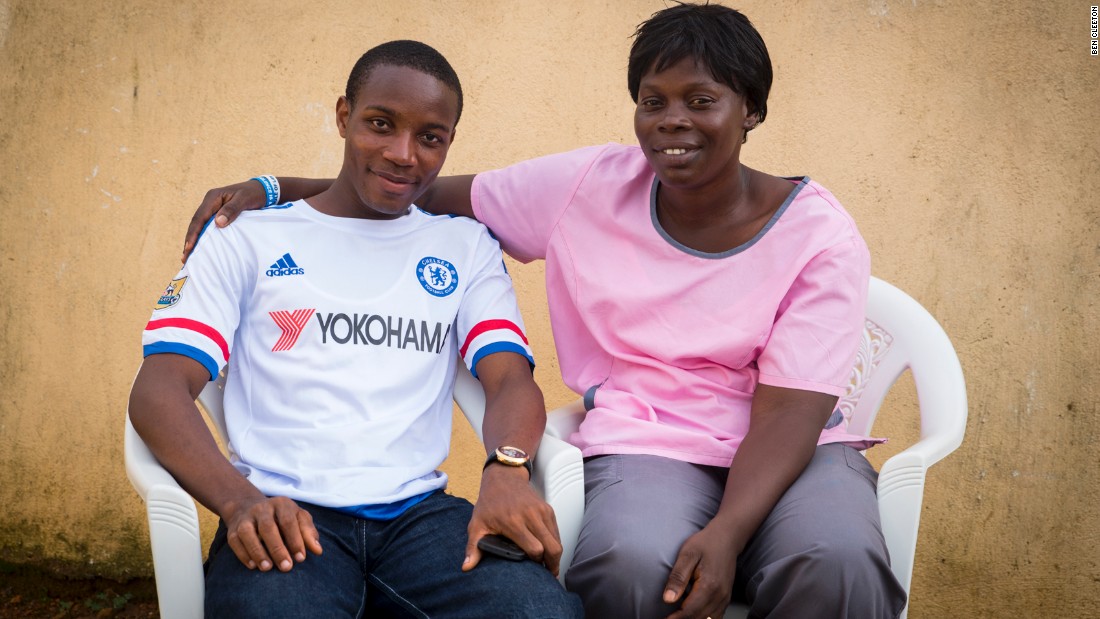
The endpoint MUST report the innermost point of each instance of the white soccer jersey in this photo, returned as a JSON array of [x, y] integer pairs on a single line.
[[341, 336]]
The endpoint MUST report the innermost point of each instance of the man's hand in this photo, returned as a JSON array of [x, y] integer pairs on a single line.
[[223, 204], [270, 532], [262, 532], [507, 505], [707, 562]]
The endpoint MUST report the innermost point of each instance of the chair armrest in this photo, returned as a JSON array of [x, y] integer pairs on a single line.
[[560, 467], [941, 392], [562, 422], [559, 478], [173, 531], [143, 469], [900, 496], [558, 474]]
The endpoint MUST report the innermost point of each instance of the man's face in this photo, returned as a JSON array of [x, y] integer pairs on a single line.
[[396, 135]]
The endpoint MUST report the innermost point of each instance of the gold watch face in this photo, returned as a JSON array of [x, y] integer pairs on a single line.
[[512, 456]]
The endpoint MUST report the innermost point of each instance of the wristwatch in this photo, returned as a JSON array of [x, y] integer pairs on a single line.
[[510, 456]]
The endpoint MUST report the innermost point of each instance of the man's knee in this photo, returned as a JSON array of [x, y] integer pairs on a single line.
[[524, 590], [326, 581], [548, 603], [276, 594]]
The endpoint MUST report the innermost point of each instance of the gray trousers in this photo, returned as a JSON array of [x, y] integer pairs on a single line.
[[820, 553]]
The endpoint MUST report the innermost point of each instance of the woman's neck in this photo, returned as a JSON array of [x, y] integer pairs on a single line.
[[724, 216]]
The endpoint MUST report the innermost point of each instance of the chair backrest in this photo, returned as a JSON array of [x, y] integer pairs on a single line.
[[900, 334]]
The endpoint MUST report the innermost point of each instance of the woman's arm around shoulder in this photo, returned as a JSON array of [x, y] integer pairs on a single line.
[[225, 203]]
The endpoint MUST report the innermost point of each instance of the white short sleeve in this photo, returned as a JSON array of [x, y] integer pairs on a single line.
[[199, 310]]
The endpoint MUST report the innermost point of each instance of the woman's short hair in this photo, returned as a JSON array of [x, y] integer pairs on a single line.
[[717, 37]]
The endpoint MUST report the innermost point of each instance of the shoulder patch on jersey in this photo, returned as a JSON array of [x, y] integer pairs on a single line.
[[437, 276], [171, 294]]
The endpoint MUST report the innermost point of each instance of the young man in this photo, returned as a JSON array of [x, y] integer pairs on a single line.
[[340, 319]]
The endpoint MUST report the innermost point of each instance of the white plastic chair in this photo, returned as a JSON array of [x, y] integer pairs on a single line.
[[174, 519], [898, 334]]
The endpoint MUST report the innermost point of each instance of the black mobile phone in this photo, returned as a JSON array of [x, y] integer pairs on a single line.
[[502, 547]]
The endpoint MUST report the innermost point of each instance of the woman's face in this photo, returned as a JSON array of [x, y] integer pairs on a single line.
[[690, 126]]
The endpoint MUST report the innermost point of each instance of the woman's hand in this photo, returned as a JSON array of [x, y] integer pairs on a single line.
[[782, 437], [707, 563], [223, 204]]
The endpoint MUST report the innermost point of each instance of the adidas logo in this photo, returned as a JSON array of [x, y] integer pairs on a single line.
[[285, 266]]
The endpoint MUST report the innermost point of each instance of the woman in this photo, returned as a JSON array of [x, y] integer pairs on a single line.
[[710, 313]]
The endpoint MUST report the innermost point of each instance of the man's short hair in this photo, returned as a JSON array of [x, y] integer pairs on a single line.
[[411, 54], [719, 38]]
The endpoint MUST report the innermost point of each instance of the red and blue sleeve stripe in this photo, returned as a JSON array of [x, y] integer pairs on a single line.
[[493, 336], [208, 333]]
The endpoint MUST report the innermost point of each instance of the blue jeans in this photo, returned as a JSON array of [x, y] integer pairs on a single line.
[[407, 567]]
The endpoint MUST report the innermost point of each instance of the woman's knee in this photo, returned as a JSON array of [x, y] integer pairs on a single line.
[[621, 579], [844, 579]]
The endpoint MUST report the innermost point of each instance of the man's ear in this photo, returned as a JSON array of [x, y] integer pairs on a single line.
[[343, 110]]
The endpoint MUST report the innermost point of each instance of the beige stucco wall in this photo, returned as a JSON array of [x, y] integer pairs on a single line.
[[962, 136]]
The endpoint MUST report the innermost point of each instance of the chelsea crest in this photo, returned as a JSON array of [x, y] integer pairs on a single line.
[[437, 276]]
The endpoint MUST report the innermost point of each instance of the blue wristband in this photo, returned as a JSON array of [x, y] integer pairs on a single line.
[[271, 188]]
